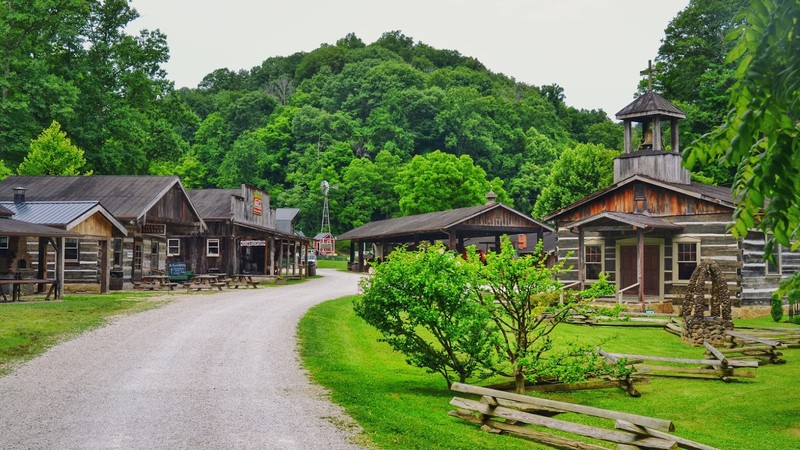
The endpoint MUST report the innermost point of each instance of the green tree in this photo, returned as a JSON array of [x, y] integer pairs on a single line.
[[761, 136], [578, 172], [370, 188], [523, 297], [441, 181], [52, 153], [427, 290], [5, 172]]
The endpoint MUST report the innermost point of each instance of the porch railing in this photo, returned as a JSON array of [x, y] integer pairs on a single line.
[[565, 287], [621, 291]]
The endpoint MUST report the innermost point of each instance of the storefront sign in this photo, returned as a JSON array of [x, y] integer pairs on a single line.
[[258, 203], [154, 228], [253, 243]]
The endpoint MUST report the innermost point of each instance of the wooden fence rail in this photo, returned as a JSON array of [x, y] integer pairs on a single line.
[[630, 431]]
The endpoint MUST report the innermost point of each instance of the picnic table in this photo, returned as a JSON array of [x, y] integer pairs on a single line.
[[207, 281], [153, 282], [16, 287], [244, 280]]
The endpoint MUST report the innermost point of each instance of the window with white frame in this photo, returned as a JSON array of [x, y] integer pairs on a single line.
[[593, 260], [212, 247], [3, 242], [773, 263], [71, 249], [685, 257], [173, 247], [154, 255]]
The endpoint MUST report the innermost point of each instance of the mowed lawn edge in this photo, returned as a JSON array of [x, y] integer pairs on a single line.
[[28, 329], [400, 406]]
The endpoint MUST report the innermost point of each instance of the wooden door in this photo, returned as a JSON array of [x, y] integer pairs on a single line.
[[627, 268]]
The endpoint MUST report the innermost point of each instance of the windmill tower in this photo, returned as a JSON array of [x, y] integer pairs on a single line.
[[324, 242]]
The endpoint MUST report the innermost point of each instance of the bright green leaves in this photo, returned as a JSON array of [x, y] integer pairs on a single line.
[[462, 318], [52, 153]]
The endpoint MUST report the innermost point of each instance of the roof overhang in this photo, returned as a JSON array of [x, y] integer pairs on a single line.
[[614, 221], [12, 227]]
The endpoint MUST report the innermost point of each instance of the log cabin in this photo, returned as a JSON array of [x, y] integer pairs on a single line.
[[151, 208], [649, 230], [242, 235]]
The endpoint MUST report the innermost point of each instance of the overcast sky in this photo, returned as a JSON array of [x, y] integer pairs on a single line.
[[594, 49]]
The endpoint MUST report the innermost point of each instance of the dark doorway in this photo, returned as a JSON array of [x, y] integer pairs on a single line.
[[627, 267]]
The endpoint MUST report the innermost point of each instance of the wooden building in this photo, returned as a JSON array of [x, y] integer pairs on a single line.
[[452, 227], [649, 230], [14, 236], [86, 256], [152, 209], [242, 235], [325, 243]]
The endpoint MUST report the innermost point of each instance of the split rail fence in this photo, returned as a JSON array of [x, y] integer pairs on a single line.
[[505, 412]]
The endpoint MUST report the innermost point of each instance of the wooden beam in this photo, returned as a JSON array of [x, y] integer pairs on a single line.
[[658, 424]]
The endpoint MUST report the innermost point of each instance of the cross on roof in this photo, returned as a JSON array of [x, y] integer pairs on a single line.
[[649, 72]]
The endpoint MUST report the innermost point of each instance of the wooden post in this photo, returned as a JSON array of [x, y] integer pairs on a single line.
[[640, 264], [676, 148], [280, 259], [657, 141], [105, 267], [451, 245], [352, 254], [361, 247], [41, 270], [628, 145], [581, 257], [59, 244]]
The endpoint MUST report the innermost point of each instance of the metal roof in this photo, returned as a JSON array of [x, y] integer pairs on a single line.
[[214, 203], [428, 223], [650, 104], [125, 196], [715, 194], [60, 214], [12, 227], [634, 220]]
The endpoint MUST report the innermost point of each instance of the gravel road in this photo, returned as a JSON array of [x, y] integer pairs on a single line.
[[205, 371]]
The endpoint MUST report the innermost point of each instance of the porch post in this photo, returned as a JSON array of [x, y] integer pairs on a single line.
[[640, 264], [452, 241], [59, 243], [352, 254], [361, 247], [581, 258]]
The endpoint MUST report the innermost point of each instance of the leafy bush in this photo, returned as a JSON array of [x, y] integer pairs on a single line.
[[777, 308]]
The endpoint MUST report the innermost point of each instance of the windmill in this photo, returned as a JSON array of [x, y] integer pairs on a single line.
[[324, 240]]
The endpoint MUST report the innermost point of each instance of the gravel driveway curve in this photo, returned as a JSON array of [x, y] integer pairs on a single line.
[[205, 371]]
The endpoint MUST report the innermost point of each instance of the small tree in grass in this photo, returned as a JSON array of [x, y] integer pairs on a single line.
[[461, 318], [421, 302], [525, 301]]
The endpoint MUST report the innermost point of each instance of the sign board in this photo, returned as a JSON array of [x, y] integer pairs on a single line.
[[253, 243], [522, 241], [154, 228], [258, 203], [176, 269]]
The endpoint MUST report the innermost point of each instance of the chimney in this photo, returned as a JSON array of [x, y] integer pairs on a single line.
[[19, 195], [491, 197]]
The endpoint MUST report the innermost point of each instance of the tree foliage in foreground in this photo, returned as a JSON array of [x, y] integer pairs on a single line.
[[457, 316], [761, 136]]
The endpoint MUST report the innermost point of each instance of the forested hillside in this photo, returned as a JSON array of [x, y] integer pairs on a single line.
[[398, 126]]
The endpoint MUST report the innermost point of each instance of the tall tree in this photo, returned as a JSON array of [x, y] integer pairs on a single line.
[[579, 171], [52, 153], [761, 136], [441, 181]]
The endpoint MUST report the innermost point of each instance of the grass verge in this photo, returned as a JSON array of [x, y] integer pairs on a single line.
[[332, 264], [28, 329], [400, 406]]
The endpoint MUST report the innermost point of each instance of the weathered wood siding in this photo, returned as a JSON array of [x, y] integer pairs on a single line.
[[661, 166], [96, 226], [654, 202], [498, 217], [172, 208], [709, 230], [246, 210], [757, 285]]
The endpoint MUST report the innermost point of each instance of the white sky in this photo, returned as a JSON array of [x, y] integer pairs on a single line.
[[594, 49]]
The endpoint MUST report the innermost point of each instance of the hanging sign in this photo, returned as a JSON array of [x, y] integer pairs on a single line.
[[258, 203], [253, 243]]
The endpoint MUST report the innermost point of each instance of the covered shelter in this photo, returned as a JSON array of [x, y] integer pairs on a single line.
[[13, 237], [452, 227]]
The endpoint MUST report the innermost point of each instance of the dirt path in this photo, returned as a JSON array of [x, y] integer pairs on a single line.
[[205, 371]]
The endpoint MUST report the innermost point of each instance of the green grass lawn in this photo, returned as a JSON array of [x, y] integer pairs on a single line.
[[28, 329], [332, 264], [400, 406]]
